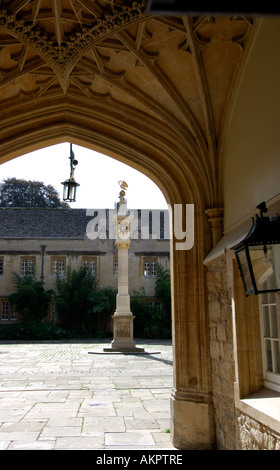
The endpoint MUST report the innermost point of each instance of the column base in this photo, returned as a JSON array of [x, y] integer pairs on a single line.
[[123, 349], [192, 423], [123, 335], [123, 346]]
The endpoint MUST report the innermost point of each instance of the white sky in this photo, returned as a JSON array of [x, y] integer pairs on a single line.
[[97, 174]]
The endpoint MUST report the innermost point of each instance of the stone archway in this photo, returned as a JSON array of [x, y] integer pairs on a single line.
[[153, 92], [191, 398]]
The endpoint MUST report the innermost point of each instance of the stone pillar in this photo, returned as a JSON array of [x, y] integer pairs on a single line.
[[216, 218], [192, 413], [123, 318]]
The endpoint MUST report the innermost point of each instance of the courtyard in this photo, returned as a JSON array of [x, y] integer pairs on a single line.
[[73, 396]]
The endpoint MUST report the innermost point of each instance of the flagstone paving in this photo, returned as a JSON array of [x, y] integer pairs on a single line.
[[72, 396]]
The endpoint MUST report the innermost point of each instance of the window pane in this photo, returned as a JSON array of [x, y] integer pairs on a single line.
[[274, 321], [31, 267], [264, 296], [54, 267], [269, 309], [242, 258], [92, 268], [146, 268], [265, 262], [5, 311], [276, 357], [268, 355], [24, 267], [61, 267], [266, 321]]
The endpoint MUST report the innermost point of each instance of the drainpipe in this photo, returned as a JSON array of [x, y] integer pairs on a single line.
[[43, 247]]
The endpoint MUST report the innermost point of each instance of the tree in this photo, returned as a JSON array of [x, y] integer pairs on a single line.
[[31, 301], [82, 307], [151, 321], [21, 193], [140, 309], [76, 299], [105, 306], [163, 289]]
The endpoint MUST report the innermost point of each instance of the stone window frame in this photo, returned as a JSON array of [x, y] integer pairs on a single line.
[[269, 307], [154, 303], [149, 266], [90, 259], [27, 265], [252, 398], [55, 266], [7, 310]]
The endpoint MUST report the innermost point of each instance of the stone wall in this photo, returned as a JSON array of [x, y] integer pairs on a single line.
[[254, 435], [221, 352], [235, 353]]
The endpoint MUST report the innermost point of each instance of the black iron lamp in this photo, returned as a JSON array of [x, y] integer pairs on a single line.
[[258, 255], [70, 185]]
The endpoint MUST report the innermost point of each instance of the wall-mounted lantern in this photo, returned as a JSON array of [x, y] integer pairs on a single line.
[[70, 185], [258, 254]]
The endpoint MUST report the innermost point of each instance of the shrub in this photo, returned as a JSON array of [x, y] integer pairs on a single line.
[[32, 330], [30, 301], [149, 322]]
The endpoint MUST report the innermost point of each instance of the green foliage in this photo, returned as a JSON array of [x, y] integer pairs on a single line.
[[32, 330], [83, 309], [76, 299], [163, 293], [105, 306], [153, 322], [81, 306], [21, 193], [31, 301], [140, 309]]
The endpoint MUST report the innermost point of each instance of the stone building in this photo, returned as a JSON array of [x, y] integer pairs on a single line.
[[47, 242], [192, 101]]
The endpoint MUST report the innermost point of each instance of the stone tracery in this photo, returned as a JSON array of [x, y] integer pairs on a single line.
[[114, 53]]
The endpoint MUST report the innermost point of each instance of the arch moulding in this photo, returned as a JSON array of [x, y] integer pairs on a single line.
[[162, 161]]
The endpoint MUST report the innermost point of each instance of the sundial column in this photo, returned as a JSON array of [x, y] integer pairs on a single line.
[[123, 318]]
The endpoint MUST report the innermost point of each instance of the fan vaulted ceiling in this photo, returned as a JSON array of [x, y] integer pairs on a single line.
[[178, 73]]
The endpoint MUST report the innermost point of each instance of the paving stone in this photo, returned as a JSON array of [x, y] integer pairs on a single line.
[[164, 423], [64, 421], [4, 445], [22, 426], [133, 424], [60, 431], [103, 424], [37, 445], [80, 443], [129, 438], [19, 436], [162, 439], [57, 396]]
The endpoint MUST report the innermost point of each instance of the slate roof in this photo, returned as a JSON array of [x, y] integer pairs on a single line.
[[43, 223]]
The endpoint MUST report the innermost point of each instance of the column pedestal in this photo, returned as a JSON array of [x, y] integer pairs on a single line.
[[123, 335]]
